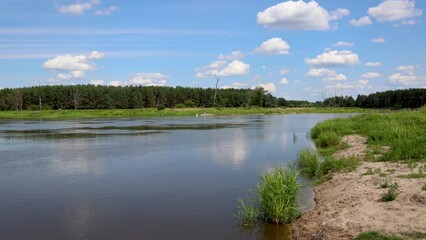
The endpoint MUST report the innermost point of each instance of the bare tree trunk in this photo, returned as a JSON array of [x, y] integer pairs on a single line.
[[75, 98], [215, 92]]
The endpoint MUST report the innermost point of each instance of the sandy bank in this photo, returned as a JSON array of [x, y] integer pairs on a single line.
[[350, 202]]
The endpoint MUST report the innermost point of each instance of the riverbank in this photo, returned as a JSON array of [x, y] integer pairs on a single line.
[[352, 202], [168, 112]]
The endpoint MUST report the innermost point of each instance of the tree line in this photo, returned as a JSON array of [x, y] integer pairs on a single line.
[[392, 99], [132, 97]]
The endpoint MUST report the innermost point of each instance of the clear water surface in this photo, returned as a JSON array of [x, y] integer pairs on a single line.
[[151, 178]]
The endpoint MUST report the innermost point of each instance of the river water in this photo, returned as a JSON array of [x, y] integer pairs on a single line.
[[151, 178]]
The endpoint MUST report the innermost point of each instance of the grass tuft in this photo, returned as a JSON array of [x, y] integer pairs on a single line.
[[391, 194], [375, 235], [424, 187], [276, 201]]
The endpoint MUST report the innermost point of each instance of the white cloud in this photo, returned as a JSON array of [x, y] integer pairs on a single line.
[[363, 21], [296, 81], [96, 55], [106, 12], [284, 81], [409, 69], [327, 74], [284, 71], [224, 66], [373, 64], [371, 75], [378, 40], [402, 79], [394, 10], [74, 66], [292, 15], [235, 85], [339, 13], [273, 46], [97, 82], [149, 79], [409, 22], [343, 44], [78, 8], [334, 58], [116, 83], [269, 87], [360, 84]]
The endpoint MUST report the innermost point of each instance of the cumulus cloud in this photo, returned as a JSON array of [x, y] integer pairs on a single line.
[[273, 46], [363, 21], [395, 10], [327, 74], [371, 75], [343, 44], [339, 13], [97, 82], [106, 12], [72, 66], [409, 69], [149, 79], [360, 84], [373, 64], [235, 85], [402, 79], [269, 87], [143, 79], [284, 81], [378, 40], [78, 8], [224, 66], [334, 58], [298, 15]]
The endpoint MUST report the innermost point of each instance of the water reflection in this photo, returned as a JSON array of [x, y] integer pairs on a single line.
[[73, 158], [267, 231], [79, 221], [231, 151]]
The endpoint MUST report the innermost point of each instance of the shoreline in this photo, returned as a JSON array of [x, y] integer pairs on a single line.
[[350, 203], [168, 112]]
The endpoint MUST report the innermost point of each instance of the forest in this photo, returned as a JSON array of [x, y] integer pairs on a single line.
[[136, 97]]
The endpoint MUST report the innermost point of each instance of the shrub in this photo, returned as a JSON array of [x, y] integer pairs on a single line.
[[180, 105], [161, 107], [327, 139], [424, 187], [276, 201]]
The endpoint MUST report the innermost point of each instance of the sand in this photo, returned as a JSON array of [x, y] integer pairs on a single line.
[[350, 203]]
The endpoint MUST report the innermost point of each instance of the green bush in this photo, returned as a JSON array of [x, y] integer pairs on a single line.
[[161, 107], [189, 103], [308, 162], [180, 105], [276, 201], [327, 139]]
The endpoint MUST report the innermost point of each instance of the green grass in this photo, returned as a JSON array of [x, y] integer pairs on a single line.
[[276, 200], [312, 167], [412, 175], [414, 235], [403, 131], [375, 235], [154, 112]]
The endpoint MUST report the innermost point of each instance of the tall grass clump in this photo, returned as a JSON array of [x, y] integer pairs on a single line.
[[319, 170], [275, 201]]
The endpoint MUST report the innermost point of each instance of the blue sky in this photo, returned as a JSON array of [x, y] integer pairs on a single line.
[[295, 49]]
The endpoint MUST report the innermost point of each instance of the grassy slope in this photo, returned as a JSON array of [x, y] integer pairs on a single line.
[[151, 112], [403, 131]]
